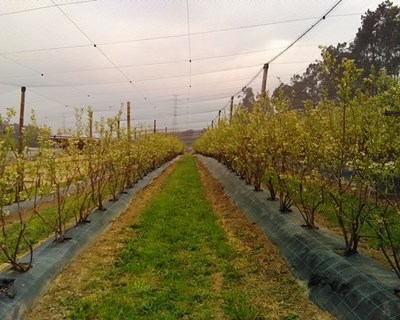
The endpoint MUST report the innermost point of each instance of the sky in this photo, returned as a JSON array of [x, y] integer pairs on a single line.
[[177, 61]]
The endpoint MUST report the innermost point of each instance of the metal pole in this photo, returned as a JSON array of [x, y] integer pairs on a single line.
[[264, 80]]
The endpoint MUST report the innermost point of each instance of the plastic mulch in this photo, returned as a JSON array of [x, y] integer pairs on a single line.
[[50, 258], [354, 287]]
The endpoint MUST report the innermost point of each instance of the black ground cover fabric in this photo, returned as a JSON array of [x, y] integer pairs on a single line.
[[352, 287]]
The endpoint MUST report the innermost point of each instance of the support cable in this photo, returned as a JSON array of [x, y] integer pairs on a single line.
[[286, 49], [95, 45], [305, 32]]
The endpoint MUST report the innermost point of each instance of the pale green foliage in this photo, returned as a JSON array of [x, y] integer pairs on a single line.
[[78, 175], [343, 151], [10, 180]]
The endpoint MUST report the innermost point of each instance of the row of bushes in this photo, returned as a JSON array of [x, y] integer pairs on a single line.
[[341, 154], [72, 180]]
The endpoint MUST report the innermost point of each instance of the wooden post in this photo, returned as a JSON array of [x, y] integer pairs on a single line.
[[219, 115], [231, 110], [129, 120], [264, 79], [20, 168], [155, 126], [21, 122], [392, 113], [166, 129], [90, 115], [212, 124]]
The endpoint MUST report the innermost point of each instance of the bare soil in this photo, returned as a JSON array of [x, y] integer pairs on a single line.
[[269, 284]]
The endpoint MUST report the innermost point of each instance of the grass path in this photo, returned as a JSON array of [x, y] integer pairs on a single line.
[[186, 253]]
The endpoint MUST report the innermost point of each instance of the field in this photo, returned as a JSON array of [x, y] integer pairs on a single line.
[[182, 250]]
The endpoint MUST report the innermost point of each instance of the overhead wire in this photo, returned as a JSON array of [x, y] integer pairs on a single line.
[[43, 7], [95, 45], [189, 34], [216, 30], [189, 44], [305, 32], [183, 35], [154, 63], [288, 47], [37, 73], [190, 60]]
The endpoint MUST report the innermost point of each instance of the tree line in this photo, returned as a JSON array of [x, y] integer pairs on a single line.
[[375, 47]]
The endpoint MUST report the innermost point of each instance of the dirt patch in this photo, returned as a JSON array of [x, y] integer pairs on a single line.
[[74, 281], [267, 281]]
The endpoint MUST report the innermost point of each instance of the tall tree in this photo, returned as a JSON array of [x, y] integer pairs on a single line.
[[375, 47], [248, 97], [377, 42], [315, 83]]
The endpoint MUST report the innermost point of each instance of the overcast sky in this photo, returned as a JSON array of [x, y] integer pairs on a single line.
[[71, 53]]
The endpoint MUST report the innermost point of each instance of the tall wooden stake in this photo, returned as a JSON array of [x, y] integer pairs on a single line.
[[155, 126], [21, 122], [20, 168], [90, 115], [231, 110], [129, 119], [264, 80]]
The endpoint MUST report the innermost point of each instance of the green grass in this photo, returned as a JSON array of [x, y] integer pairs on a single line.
[[168, 270]]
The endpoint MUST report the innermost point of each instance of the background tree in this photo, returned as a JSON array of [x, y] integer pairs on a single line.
[[375, 47], [248, 98], [376, 44]]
